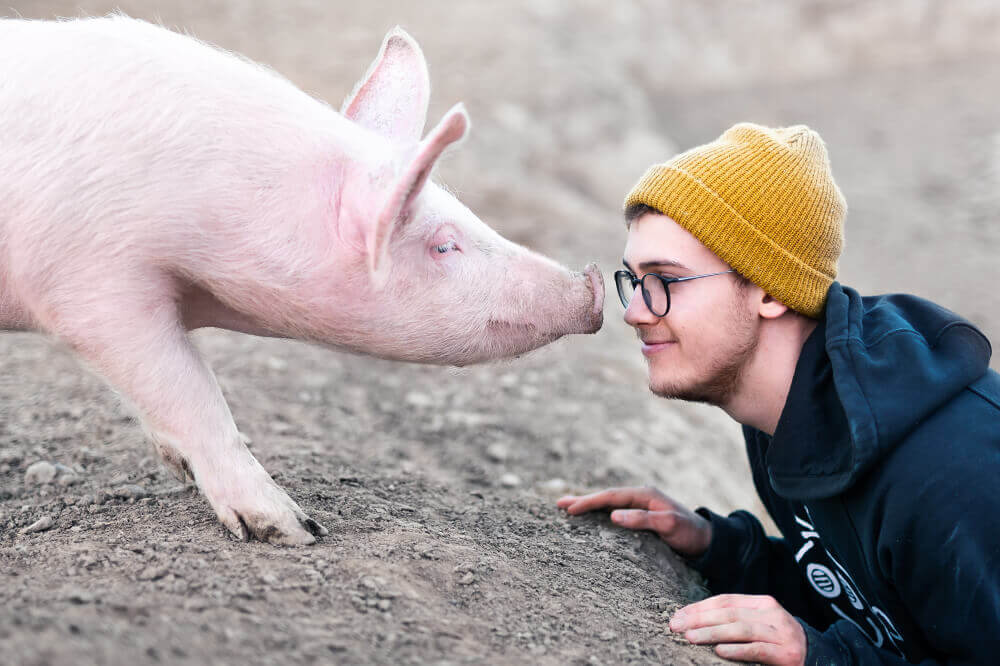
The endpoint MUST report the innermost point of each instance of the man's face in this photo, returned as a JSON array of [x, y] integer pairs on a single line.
[[698, 351]]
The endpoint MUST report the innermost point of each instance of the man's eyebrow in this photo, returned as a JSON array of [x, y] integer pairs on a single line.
[[657, 263]]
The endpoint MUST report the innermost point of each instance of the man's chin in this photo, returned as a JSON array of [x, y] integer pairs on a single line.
[[716, 391], [685, 393]]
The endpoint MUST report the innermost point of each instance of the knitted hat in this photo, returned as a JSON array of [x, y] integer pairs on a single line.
[[764, 201]]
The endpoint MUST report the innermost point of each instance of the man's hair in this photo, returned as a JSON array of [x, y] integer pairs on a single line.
[[635, 211]]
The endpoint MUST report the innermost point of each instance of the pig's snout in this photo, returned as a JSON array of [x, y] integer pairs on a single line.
[[597, 287], [595, 282]]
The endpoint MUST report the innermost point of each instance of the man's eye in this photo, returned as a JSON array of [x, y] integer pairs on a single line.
[[445, 247]]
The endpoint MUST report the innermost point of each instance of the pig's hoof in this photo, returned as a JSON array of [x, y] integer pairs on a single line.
[[291, 528]]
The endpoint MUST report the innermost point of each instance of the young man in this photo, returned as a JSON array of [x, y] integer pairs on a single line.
[[872, 424]]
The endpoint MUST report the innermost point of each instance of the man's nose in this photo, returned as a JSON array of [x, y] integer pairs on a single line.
[[637, 314]]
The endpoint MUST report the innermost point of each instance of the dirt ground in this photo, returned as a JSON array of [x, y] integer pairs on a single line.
[[438, 484]]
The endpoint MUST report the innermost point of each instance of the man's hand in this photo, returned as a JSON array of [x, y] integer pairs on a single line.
[[648, 509], [744, 628]]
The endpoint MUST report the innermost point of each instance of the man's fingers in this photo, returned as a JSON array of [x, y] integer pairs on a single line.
[[662, 522], [734, 632], [708, 618], [762, 653], [758, 601], [613, 498]]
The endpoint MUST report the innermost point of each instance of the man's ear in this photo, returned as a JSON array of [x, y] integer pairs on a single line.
[[392, 97], [770, 307], [407, 187]]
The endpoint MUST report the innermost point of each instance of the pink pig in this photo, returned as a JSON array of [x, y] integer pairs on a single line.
[[152, 184]]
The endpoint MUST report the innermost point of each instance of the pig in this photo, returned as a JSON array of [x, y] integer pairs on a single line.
[[152, 184]]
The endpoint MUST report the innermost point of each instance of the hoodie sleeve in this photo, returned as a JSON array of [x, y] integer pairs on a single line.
[[742, 559], [845, 645]]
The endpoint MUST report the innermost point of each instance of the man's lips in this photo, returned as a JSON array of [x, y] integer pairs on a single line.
[[650, 347]]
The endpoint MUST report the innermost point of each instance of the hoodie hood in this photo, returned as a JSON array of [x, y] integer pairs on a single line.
[[871, 371]]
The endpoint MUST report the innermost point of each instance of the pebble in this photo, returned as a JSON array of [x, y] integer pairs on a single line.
[[79, 596], [555, 485], [40, 525], [468, 579], [154, 572], [607, 636], [131, 491], [510, 480], [9, 456], [40, 473], [417, 399], [497, 452]]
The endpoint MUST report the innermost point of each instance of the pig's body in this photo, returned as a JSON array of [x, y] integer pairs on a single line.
[[131, 147], [151, 184]]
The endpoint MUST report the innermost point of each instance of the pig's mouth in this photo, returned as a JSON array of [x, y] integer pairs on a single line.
[[498, 327], [516, 338]]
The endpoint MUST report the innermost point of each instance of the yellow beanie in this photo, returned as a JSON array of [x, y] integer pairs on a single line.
[[764, 201]]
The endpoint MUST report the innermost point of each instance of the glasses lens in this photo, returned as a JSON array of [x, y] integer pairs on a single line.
[[623, 281], [654, 292]]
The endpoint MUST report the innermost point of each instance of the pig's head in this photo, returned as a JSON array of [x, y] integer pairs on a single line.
[[435, 283]]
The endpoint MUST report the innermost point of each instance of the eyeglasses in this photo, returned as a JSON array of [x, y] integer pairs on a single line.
[[655, 288]]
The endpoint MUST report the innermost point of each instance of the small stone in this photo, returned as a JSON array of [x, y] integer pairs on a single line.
[[426, 551], [10, 456], [67, 476], [496, 452], [79, 596], [509, 480], [607, 636], [154, 572], [555, 485], [384, 605], [468, 579], [370, 583], [131, 491], [417, 399], [40, 525], [40, 473]]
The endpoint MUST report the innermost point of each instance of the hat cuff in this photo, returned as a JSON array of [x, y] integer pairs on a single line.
[[699, 210]]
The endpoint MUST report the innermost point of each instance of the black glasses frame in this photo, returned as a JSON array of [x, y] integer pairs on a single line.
[[621, 276]]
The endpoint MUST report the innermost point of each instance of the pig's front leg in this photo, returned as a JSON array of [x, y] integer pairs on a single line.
[[151, 361]]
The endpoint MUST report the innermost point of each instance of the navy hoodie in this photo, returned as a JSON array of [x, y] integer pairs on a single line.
[[883, 476]]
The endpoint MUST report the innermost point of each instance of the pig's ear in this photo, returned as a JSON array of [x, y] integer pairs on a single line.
[[405, 190], [392, 97]]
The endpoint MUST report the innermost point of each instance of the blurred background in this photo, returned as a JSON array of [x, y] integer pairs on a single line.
[[570, 101]]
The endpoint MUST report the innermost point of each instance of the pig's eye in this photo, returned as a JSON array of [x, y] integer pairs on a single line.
[[445, 247]]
